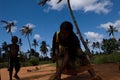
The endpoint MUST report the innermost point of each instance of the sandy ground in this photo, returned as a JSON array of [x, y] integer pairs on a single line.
[[106, 71]]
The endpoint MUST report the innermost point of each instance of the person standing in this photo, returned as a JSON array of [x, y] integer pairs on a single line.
[[13, 60]]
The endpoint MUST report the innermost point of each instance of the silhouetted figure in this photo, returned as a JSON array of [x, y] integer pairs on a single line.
[[13, 58], [67, 52]]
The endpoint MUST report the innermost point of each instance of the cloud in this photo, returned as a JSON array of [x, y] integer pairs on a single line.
[[115, 24], [97, 6], [37, 37], [53, 4], [30, 25], [13, 29], [92, 36]]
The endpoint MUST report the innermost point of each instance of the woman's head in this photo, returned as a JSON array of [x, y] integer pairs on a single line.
[[66, 28]]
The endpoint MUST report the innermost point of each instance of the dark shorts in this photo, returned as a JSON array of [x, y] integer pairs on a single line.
[[13, 62]]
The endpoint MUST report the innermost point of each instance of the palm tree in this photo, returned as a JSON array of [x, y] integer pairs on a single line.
[[87, 42], [35, 43], [27, 31], [98, 45], [8, 26], [111, 30], [93, 45], [43, 2], [20, 43], [43, 48], [4, 46], [119, 43]]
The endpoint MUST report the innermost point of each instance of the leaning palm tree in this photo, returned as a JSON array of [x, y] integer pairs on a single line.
[[8, 26], [111, 30], [27, 31], [43, 2]]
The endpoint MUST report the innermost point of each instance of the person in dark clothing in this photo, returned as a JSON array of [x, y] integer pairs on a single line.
[[13, 60], [67, 52]]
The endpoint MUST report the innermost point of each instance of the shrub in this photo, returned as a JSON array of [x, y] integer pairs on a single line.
[[106, 58], [34, 61]]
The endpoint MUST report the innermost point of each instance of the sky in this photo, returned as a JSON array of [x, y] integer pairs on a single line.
[[93, 18]]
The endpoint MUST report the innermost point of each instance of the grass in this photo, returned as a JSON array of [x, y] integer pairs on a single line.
[[106, 58], [98, 59]]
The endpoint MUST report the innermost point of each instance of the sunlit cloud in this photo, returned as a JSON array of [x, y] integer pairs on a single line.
[[30, 25], [93, 37], [37, 37], [115, 24], [97, 6], [13, 29]]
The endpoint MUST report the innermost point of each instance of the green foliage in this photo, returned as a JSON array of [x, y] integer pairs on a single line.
[[26, 63], [106, 58], [34, 61], [4, 64], [45, 62], [109, 45]]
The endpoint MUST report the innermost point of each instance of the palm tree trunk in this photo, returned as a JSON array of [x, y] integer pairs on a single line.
[[78, 30], [11, 34], [29, 42]]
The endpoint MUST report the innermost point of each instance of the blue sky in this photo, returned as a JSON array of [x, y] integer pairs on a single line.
[[93, 18]]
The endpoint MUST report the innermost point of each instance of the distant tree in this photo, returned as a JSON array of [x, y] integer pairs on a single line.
[[87, 42], [8, 26], [33, 53], [4, 46], [20, 43], [35, 43], [111, 30], [98, 46], [109, 45], [0, 53], [93, 46], [118, 42], [5, 49], [27, 31], [43, 48]]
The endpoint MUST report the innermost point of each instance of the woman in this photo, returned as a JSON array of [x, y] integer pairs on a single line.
[[67, 52]]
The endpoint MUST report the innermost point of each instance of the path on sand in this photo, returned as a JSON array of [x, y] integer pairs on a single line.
[[106, 71]]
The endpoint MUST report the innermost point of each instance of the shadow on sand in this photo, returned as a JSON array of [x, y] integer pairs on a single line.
[[35, 77], [78, 77]]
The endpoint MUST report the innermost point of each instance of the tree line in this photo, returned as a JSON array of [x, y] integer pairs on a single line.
[[26, 30]]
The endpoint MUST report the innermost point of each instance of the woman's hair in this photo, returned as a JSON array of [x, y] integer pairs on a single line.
[[66, 25]]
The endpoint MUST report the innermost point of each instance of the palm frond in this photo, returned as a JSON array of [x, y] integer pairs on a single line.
[[43, 2], [59, 1], [4, 21]]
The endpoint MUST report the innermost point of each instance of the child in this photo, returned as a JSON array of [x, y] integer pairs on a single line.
[[13, 58]]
